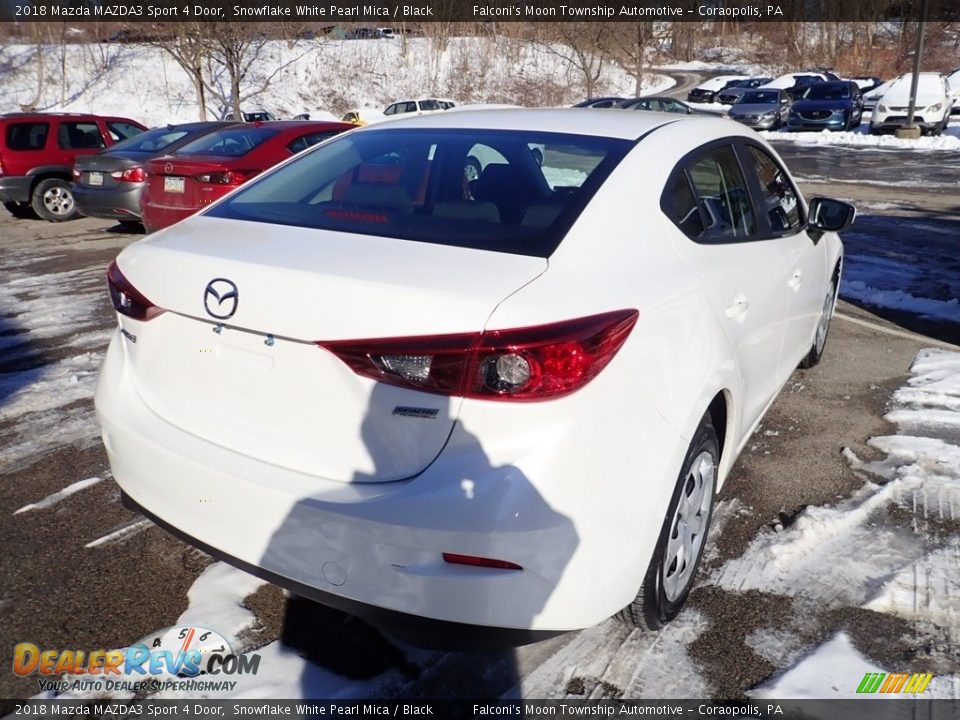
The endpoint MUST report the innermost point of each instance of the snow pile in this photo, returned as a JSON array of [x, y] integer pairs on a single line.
[[850, 554], [950, 140], [145, 83], [860, 291]]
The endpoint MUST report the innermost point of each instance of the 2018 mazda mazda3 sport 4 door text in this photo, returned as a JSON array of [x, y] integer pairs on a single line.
[[502, 398]]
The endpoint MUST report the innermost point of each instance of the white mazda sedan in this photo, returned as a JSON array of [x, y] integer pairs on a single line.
[[487, 368]]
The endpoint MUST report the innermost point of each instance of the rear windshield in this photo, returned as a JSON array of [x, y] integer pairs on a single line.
[[150, 141], [27, 136], [760, 97], [507, 191], [233, 142]]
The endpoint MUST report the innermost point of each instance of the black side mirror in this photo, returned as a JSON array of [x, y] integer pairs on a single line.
[[828, 215]]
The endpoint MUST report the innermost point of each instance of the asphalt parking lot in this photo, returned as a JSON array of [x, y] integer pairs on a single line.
[[80, 571]]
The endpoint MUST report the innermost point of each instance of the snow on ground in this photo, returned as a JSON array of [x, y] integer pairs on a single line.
[[44, 405], [144, 83], [53, 499], [903, 263], [847, 554], [950, 140]]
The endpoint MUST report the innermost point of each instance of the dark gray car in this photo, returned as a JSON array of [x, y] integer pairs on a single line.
[[660, 103], [109, 184], [762, 109]]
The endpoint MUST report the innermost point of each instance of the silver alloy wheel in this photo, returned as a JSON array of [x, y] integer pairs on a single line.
[[824, 326], [688, 526], [58, 200]]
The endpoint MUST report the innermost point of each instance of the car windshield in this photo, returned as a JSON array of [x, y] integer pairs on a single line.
[[827, 91], [233, 142], [150, 141], [506, 191], [759, 97]]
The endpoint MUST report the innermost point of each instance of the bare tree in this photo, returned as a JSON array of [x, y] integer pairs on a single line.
[[39, 34], [189, 46], [630, 42], [585, 46]]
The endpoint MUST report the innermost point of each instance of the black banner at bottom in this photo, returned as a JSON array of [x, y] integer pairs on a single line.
[[892, 708]]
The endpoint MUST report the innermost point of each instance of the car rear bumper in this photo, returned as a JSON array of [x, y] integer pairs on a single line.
[[15, 188], [581, 519], [109, 203], [157, 217]]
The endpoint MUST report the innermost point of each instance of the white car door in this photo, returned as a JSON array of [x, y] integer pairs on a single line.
[[742, 275], [804, 258]]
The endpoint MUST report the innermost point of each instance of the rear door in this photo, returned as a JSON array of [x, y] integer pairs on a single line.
[[24, 144], [78, 137], [742, 273]]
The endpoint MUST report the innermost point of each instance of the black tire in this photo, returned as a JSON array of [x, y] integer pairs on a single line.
[[52, 200], [21, 211], [131, 226], [820, 341], [657, 603]]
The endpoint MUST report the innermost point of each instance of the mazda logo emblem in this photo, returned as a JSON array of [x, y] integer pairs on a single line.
[[168, 167], [221, 298]]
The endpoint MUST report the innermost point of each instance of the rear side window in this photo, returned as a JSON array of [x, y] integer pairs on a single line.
[[234, 142], [310, 139], [681, 206], [722, 196], [79, 136], [122, 130], [150, 141], [27, 136], [507, 191]]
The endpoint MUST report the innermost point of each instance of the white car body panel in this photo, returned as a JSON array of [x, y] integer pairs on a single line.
[[717, 83], [276, 455], [787, 81]]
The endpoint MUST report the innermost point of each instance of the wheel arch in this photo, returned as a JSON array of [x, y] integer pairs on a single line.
[[45, 172]]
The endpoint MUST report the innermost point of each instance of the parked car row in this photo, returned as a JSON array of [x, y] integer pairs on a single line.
[[820, 100], [59, 166]]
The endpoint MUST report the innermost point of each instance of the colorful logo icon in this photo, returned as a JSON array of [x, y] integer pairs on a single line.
[[903, 683]]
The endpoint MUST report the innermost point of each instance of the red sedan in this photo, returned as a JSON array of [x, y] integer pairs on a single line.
[[208, 168]]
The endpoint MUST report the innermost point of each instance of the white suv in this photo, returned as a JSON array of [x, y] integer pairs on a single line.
[[932, 112], [423, 106]]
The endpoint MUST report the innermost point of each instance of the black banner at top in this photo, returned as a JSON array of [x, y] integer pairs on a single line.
[[333, 13]]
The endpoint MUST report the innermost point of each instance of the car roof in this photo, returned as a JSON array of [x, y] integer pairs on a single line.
[[608, 122]]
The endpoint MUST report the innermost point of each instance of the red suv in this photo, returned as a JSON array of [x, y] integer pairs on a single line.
[[37, 152]]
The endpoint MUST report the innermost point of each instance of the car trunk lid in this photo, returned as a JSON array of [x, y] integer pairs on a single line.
[[256, 381]]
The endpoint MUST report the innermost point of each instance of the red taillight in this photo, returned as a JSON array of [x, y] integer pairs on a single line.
[[227, 177], [127, 300], [523, 364], [455, 559], [134, 174]]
